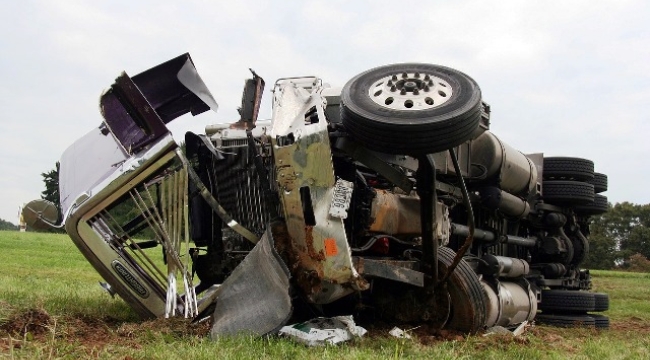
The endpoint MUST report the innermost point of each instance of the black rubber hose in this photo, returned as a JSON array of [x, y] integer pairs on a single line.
[[470, 218]]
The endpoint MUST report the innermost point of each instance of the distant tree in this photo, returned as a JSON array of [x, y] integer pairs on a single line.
[[637, 240], [603, 248], [617, 235], [6, 225], [51, 192]]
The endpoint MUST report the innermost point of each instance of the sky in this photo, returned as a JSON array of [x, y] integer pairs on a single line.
[[566, 78]]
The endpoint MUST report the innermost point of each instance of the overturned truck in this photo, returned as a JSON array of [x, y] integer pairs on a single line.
[[388, 198]]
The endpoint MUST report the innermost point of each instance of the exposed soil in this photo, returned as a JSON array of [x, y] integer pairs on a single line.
[[87, 332], [633, 324], [92, 334]]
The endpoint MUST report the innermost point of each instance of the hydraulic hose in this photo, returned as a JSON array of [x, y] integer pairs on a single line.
[[470, 219]]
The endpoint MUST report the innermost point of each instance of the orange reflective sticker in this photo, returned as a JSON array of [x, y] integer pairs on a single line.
[[330, 247]]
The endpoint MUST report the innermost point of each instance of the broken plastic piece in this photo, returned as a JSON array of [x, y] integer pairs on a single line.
[[399, 333], [321, 331]]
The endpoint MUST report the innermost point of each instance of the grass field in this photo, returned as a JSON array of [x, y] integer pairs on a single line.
[[51, 306]]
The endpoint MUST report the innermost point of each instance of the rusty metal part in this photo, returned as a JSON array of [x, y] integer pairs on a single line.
[[396, 270], [304, 264], [318, 250], [250, 103], [395, 214]]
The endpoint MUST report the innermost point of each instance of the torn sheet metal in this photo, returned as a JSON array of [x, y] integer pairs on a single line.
[[318, 246], [255, 298], [322, 331], [136, 109]]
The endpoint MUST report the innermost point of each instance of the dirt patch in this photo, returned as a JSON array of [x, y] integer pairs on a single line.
[[429, 336], [633, 324], [31, 323], [176, 327], [90, 334], [424, 334]]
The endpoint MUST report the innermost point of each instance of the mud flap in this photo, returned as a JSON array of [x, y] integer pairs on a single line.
[[255, 298]]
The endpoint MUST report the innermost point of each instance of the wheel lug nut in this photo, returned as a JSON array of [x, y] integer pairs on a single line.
[[403, 92], [417, 75], [394, 78], [393, 88], [390, 82], [427, 78], [405, 75], [426, 88], [415, 92], [430, 82]]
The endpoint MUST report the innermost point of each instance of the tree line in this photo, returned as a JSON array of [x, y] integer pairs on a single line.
[[620, 238]]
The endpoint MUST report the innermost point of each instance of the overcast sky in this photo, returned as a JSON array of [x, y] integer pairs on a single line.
[[567, 78]]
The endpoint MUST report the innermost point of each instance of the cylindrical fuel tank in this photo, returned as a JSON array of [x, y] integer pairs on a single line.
[[516, 173], [509, 302]]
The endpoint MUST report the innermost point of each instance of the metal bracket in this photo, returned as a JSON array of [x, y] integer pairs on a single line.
[[366, 157]]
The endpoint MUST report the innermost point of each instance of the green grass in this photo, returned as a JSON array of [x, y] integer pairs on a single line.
[[47, 272]]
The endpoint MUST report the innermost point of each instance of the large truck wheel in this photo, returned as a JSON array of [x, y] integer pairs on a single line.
[[411, 108], [600, 182], [567, 192], [468, 310], [601, 302], [597, 207], [567, 301], [568, 168]]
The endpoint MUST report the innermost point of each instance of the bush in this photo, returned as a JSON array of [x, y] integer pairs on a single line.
[[638, 263]]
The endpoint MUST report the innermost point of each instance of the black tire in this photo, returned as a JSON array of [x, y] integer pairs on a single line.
[[569, 321], [468, 300], [567, 301], [566, 192], [600, 182], [568, 168], [600, 321], [601, 302], [394, 127], [597, 207]]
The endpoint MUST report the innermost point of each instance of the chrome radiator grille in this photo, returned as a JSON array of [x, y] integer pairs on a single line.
[[237, 186]]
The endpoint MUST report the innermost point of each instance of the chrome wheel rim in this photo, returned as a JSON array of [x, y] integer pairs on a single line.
[[410, 91]]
